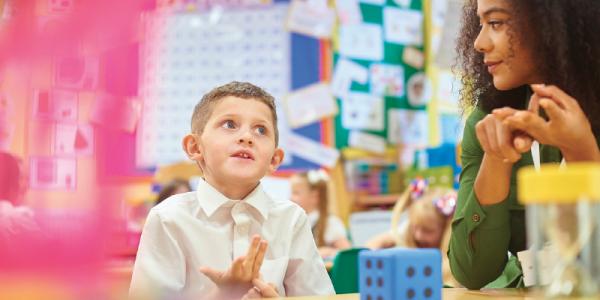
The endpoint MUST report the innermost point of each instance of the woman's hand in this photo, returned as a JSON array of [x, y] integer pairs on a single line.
[[499, 141], [567, 127]]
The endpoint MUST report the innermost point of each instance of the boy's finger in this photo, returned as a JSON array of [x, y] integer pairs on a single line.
[[262, 249], [251, 256], [212, 274], [266, 290], [237, 267]]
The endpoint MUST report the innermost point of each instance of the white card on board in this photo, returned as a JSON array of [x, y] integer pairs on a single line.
[[361, 41], [409, 127], [403, 26], [347, 71], [313, 151], [310, 104], [366, 141], [363, 111]]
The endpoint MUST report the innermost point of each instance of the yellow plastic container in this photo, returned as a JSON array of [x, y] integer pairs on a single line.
[[563, 227]]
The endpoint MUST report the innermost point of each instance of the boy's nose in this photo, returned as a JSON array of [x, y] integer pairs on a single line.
[[246, 137]]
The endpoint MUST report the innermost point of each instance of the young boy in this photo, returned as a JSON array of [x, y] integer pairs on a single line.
[[229, 239]]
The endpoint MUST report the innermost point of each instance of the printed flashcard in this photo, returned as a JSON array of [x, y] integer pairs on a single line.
[[311, 19], [57, 104], [413, 57], [374, 2], [366, 141], [363, 111], [387, 80], [313, 151], [419, 90], [403, 3], [408, 127], [345, 72], [310, 104], [77, 72], [116, 112], [348, 12], [53, 173], [70, 139], [362, 41], [403, 26]]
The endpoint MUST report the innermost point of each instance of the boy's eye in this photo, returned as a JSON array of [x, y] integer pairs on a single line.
[[261, 130], [229, 124]]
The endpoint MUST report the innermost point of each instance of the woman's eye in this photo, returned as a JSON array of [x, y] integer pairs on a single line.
[[495, 24], [229, 124]]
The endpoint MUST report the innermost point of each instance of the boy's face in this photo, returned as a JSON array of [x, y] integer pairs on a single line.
[[237, 146]]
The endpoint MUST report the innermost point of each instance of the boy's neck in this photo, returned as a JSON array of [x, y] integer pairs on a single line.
[[233, 191]]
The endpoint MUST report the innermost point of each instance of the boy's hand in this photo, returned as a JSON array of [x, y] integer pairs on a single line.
[[243, 269], [261, 289]]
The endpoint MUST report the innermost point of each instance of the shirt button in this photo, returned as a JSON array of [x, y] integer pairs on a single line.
[[476, 218]]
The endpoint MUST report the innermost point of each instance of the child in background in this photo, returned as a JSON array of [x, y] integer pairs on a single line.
[[175, 186], [229, 239], [309, 190], [428, 213]]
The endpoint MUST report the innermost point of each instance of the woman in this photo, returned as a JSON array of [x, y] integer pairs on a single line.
[[518, 56]]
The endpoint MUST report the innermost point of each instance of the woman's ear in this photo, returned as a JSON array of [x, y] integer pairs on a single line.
[[192, 147]]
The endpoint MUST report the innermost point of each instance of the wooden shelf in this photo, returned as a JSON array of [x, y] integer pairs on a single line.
[[371, 200]]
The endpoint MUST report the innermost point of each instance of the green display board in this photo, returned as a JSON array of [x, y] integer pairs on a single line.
[[393, 53]]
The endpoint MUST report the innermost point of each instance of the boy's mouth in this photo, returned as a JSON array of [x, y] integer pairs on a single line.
[[243, 154]]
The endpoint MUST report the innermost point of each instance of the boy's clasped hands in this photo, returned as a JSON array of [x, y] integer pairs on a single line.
[[242, 279]]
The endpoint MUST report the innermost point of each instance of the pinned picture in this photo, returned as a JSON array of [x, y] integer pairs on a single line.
[[77, 72], [53, 173], [419, 90], [408, 127], [387, 80], [413, 57], [58, 105], [403, 26], [363, 111], [71, 139], [362, 41], [347, 71], [311, 19]]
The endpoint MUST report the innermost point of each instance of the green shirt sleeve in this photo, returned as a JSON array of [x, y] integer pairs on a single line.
[[480, 234]]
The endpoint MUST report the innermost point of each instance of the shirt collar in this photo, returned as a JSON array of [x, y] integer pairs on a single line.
[[210, 199]]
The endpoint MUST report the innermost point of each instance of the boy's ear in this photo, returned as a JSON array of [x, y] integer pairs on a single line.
[[191, 147], [276, 160]]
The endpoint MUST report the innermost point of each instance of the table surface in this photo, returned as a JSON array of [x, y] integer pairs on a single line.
[[456, 294]]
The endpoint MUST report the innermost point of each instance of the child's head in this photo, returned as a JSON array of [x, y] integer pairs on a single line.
[[176, 186], [427, 220], [429, 213], [234, 137], [309, 190], [506, 44]]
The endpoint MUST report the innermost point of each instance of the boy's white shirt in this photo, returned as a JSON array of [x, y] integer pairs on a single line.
[[335, 227], [205, 228]]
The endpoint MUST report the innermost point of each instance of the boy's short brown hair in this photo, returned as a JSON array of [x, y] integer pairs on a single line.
[[244, 90]]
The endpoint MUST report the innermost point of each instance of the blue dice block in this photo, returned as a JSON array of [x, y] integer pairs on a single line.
[[400, 273]]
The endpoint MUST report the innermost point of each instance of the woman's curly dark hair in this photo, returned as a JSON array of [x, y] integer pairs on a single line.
[[565, 39]]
